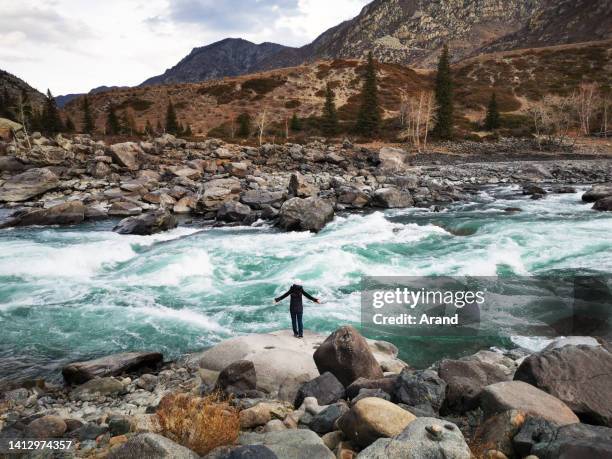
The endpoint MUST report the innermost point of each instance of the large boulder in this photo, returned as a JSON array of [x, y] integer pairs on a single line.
[[465, 380], [346, 354], [421, 389], [386, 385], [576, 441], [112, 365], [66, 213], [603, 204], [325, 388], [290, 444], [147, 224], [534, 430], [126, 155], [497, 432], [424, 438], [391, 159], [598, 192], [518, 395], [323, 422], [46, 427], [310, 214], [238, 377], [353, 197], [233, 212], [300, 188], [27, 185], [257, 199], [391, 198], [11, 164], [217, 192], [372, 418], [151, 446], [242, 452], [579, 376]]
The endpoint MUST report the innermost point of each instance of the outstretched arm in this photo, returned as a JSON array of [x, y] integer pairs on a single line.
[[310, 297], [281, 298]]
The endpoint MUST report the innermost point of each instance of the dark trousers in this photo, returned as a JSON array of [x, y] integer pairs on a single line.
[[296, 322]]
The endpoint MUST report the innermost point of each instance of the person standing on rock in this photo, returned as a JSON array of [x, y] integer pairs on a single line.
[[296, 307]]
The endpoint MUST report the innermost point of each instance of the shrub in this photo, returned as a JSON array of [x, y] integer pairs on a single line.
[[263, 85], [200, 424], [140, 105]]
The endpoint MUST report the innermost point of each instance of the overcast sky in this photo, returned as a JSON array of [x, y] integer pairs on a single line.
[[75, 45]]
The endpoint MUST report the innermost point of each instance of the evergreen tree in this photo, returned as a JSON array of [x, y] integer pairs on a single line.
[[113, 127], [444, 97], [172, 125], [368, 119], [244, 125], [88, 121], [295, 124], [69, 125], [329, 120], [148, 130], [492, 118], [51, 121], [7, 106]]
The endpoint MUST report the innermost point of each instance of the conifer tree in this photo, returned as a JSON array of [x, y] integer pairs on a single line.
[[88, 122], [295, 124], [69, 125], [113, 127], [51, 121], [172, 125], [492, 118], [444, 97], [7, 106], [329, 120], [368, 119], [244, 125]]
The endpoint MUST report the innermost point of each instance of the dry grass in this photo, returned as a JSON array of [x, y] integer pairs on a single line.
[[200, 424]]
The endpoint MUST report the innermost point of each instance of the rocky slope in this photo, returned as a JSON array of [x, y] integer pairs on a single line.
[[229, 57], [16, 87]]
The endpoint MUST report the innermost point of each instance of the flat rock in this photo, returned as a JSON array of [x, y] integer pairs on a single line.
[[124, 209], [579, 376], [66, 213], [28, 184], [147, 224], [290, 444], [151, 446], [97, 387], [112, 365], [518, 395], [126, 154]]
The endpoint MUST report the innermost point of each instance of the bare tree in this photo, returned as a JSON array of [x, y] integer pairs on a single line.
[[553, 117], [24, 121], [585, 104], [417, 114], [261, 125]]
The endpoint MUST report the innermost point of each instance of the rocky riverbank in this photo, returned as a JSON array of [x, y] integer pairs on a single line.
[[151, 183], [323, 397]]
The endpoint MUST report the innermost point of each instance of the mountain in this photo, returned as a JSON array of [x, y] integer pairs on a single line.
[[15, 87], [411, 32], [229, 57], [61, 101]]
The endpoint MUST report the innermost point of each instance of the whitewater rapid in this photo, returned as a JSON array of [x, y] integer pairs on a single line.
[[79, 292]]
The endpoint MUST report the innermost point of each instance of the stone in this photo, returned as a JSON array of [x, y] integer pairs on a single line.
[[233, 212], [185, 205], [262, 414], [300, 188], [124, 209], [391, 198], [309, 214], [112, 365], [11, 164], [67, 213], [238, 169], [579, 376], [373, 418], [333, 439], [147, 224], [147, 382], [365, 393], [497, 432], [46, 427], [280, 360], [346, 354], [571, 341], [237, 377], [530, 190], [352, 197], [97, 387], [290, 444], [326, 389], [417, 388], [465, 380], [603, 204], [598, 192], [126, 155], [242, 452], [256, 199], [89, 431], [119, 425], [95, 212], [386, 384], [534, 430], [324, 421], [151, 446], [576, 441], [518, 395], [391, 159], [28, 185], [275, 425]]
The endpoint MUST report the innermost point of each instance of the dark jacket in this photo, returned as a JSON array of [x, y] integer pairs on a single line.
[[296, 292]]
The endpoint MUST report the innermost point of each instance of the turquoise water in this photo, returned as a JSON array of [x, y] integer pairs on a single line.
[[80, 292]]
